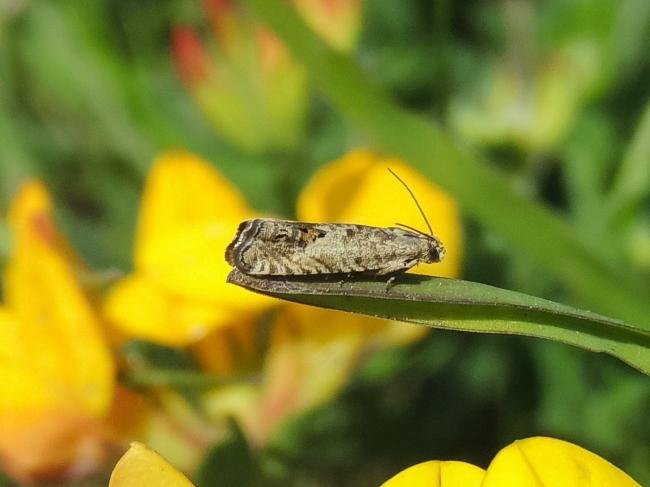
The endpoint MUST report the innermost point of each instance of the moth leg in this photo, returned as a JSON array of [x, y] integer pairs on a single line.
[[347, 277], [390, 282]]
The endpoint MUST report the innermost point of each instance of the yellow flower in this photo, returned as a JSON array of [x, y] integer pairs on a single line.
[[438, 474], [178, 292], [56, 370], [141, 467], [530, 462], [557, 462]]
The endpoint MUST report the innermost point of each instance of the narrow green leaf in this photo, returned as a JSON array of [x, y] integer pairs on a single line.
[[180, 379], [154, 365], [466, 306], [632, 181], [482, 191]]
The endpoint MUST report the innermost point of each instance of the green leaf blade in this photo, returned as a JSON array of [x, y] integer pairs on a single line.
[[464, 306]]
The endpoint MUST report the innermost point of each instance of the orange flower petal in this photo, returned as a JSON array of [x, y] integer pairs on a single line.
[[358, 189], [552, 462], [190, 56], [140, 467], [438, 474], [39, 445]]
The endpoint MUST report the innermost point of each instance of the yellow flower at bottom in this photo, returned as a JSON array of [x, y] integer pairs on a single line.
[[553, 463], [438, 474], [141, 467], [532, 462]]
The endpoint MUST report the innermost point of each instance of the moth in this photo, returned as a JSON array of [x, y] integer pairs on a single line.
[[270, 247]]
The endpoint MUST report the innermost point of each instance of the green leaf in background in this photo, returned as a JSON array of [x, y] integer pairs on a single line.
[[481, 190], [141, 354], [152, 365], [466, 306], [231, 462], [632, 182]]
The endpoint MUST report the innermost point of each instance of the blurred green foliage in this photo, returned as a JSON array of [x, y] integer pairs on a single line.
[[88, 96]]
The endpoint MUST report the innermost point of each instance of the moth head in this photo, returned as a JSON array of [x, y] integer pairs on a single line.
[[435, 250], [431, 248]]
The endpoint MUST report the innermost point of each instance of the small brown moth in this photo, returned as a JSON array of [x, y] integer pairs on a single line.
[[269, 247]]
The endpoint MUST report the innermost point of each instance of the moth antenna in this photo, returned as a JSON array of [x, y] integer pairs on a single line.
[[414, 199], [411, 228]]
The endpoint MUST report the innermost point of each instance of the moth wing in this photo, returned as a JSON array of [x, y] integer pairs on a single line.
[[285, 248]]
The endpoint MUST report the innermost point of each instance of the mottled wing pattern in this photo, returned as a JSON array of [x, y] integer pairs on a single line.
[[281, 247]]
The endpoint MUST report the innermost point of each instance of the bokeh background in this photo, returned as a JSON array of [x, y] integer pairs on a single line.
[[140, 117]]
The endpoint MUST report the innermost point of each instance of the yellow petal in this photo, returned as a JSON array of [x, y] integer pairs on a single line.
[[141, 309], [551, 462], [55, 335], [23, 387], [55, 368], [438, 474], [189, 215], [183, 189], [359, 189], [140, 467], [191, 262]]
